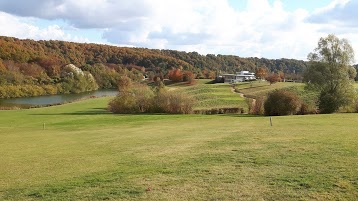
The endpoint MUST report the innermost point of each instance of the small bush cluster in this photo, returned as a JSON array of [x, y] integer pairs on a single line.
[[281, 102], [141, 98], [290, 101], [173, 102], [256, 105], [285, 101]]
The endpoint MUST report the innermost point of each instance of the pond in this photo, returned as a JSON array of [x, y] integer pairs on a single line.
[[27, 102]]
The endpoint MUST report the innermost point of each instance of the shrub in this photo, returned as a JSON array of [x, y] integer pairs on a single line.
[[173, 102], [255, 106], [124, 103], [281, 102], [142, 99], [137, 100], [124, 83], [215, 111]]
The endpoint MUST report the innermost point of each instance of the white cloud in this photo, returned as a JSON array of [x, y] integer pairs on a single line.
[[80, 13], [338, 18], [263, 29], [339, 12], [214, 27], [22, 28]]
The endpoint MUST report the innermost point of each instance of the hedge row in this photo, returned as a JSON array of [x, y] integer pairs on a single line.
[[233, 110]]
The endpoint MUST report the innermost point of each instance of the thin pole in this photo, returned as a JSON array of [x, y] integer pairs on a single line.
[[271, 121]]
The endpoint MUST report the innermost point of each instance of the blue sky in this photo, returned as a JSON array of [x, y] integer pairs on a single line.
[[256, 28]]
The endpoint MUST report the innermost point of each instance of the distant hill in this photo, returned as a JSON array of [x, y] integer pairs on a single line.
[[39, 63], [80, 54]]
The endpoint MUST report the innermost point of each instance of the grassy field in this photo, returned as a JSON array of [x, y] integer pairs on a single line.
[[257, 88], [222, 95], [86, 153], [209, 96]]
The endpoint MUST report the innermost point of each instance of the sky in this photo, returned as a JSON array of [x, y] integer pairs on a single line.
[[271, 29]]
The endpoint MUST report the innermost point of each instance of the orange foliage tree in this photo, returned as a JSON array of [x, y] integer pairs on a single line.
[[188, 77], [261, 73], [175, 75], [273, 78]]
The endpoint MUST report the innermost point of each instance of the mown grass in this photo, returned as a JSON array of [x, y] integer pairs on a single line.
[[86, 153], [209, 95]]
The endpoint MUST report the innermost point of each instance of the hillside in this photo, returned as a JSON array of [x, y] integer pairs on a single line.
[[30, 64], [80, 54]]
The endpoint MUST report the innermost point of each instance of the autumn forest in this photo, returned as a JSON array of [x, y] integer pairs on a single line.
[[32, 68]]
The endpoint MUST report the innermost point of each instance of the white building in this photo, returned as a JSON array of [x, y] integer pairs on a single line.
[[239, 77]]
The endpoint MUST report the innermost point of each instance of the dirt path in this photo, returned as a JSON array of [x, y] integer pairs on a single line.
[[233, 91], [243, 96]]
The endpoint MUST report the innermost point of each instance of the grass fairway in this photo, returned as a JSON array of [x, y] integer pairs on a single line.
[[85, 153]]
